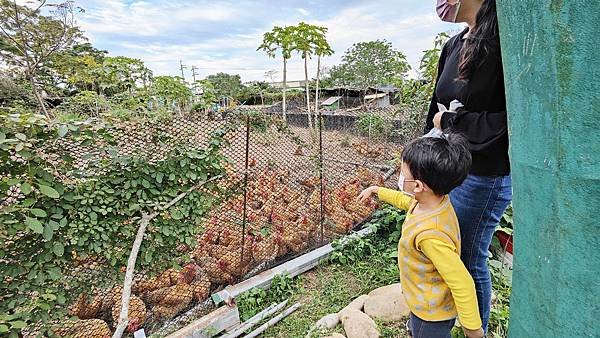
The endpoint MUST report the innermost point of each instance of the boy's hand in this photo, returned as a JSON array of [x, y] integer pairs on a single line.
[[473, 333], [366, 194]]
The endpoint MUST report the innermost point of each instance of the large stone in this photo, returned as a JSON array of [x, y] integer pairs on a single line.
[[387, 290], [387, 303], [328, 322], [358, 325], [356, 304], [389, 308]]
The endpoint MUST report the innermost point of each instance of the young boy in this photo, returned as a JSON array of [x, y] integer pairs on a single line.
[[436, 285]]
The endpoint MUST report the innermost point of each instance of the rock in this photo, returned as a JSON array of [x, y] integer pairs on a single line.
[[356, 304], [389, 308], [387, 303], [328, 322], [336, 335], [358, 325], [386, 290]]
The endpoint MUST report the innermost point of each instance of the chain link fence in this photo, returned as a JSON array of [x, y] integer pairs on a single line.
[[288, 186]]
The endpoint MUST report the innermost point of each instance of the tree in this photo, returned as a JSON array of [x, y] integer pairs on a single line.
[[322, 48], [368, 64], [279, 39], [79, 67], [208, 96], [172, 90], [123, 74], [29, 39], [226, 85]]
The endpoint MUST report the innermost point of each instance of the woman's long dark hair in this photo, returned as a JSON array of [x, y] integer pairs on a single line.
[[484, 40]]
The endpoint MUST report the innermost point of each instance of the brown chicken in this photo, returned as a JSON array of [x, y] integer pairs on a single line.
[[145, 285], [234, 264], [215, 270], [200, 286], [136, 313], [88, 328], [168, 302], [264, 249], [83, 308]]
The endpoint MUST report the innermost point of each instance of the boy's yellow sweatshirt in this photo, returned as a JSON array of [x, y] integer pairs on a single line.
[[435, 282]]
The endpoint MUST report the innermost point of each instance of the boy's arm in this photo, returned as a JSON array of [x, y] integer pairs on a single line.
[[394, 197], [447, 261]]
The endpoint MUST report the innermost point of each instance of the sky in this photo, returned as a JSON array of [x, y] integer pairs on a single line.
[[222, 36]]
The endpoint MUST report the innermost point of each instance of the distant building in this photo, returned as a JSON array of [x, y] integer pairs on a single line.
[[332, 103], [301, 84], [381, 100]]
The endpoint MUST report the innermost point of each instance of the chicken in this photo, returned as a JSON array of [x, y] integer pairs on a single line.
[[341, 222], [264, 249], [88, 328], [234, 263], [168, 302], [165, 279], [136, 313], [369, 178], [215, 270], [84, 309], [200, 286]]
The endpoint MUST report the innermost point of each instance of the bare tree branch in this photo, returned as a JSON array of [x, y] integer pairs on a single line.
[[144, 222]]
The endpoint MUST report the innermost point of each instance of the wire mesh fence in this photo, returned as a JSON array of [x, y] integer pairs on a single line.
[[286, 187]]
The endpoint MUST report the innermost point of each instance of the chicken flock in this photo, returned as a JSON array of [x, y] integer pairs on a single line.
[[284, 216]]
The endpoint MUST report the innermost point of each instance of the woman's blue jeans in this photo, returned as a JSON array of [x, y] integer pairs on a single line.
[[479, 204]]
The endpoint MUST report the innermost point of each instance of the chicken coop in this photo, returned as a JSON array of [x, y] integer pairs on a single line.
[[279, 190]]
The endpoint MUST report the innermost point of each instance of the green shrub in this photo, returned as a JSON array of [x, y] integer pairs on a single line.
[[373, 125], [86, 103]]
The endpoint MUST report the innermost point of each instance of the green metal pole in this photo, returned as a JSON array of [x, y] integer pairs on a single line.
[[551, 53]]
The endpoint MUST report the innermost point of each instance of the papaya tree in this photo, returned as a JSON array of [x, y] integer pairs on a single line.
[[279, 39]]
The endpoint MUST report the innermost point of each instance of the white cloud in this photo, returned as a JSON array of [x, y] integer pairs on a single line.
[[223, 36]]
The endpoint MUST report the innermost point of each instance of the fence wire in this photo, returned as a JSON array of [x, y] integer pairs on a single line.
[[290, 186]]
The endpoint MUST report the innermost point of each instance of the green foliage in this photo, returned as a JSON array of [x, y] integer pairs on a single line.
[[172, 91], [374, 125], [255, 300], [225, 85], [351, 250], [85, 103], [368, 64], [52, 225], [415, 94]]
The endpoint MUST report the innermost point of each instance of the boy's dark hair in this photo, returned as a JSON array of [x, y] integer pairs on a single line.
[[442, 163]]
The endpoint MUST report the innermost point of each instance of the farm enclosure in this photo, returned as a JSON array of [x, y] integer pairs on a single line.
[[276, 189]]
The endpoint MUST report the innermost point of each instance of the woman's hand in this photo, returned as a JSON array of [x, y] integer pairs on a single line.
[[437, 120], [366, 194], [473, 333]]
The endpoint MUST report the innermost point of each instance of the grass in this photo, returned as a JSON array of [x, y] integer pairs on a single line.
[[330, 287], [357, 268]]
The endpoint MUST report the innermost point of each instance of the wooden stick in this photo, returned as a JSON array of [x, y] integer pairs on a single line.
[[273, 321], [237, 331], [389, 174], [144, 221]]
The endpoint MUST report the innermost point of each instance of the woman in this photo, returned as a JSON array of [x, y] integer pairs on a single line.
[[470, 71]]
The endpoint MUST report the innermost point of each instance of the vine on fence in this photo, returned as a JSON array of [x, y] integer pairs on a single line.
[[62, 235]]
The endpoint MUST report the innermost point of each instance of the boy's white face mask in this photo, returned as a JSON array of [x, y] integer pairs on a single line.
[[401, 180]]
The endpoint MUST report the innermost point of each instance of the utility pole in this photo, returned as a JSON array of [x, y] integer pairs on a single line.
[[194, 85], [194, 73], [182, 67]]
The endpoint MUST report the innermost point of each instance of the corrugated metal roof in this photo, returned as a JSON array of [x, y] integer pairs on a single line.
[[375, 96], [331, 100]]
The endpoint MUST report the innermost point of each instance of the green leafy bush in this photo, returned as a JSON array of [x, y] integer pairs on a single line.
[[86, 103], [373, 125], [52, 228]]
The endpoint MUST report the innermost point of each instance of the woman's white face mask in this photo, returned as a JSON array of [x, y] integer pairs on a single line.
[[447, 11]]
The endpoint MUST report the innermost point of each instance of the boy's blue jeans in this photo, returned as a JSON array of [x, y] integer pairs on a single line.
[[479, 204], [423, 329]]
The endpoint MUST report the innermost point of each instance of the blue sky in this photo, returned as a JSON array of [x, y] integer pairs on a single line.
[[223, 35]]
